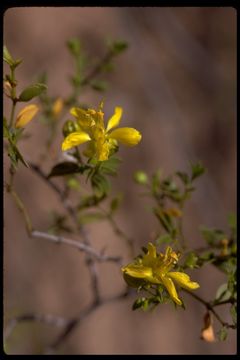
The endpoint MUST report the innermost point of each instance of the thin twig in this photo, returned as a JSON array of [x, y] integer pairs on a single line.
[[210, 307], [76, 244], [94, 72], [72, 324], [21, 207]]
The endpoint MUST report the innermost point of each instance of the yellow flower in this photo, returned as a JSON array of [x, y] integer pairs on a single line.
[[57, 107], [25, 115], [102, 141], [155, 269]]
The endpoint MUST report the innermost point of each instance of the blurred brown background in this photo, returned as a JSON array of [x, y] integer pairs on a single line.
[[177, 85]]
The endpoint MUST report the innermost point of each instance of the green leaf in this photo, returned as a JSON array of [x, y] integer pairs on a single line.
[[32, 91], [156, 181], [5, 128], [183, 176], [100, 184], [90, 217], [117, 47], [197, 170], [212, 236], [223, 293], [233, 312], [7, 57], [164, 239], [110, 166], [74, 46], [99, 85], [15, 154], [67, 168], [138, 303], [191, 261], [206, 257], [114, 205], [90, 201], [232, 221], [222, 334], [164, 219]]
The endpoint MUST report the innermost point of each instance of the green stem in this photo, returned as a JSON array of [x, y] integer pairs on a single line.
[[22, 208], [12, 113], [13, 97]]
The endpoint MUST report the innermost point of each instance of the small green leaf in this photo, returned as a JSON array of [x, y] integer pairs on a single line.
[[90, 201], [7, 57], [163, 239], [88, 218], [32, 91], [15, 154], [222, 334], [110, 166], [183, 176], [212, 236], [5, 128], [233, 312], [206, 257], [164, 219], [114, 205], [118, 47], [99, 85], [191, 261], [138, 303], [223, 293], [197, 170], [74, 46], [232, 220], [67, 168], [100, 184], [156, 181]]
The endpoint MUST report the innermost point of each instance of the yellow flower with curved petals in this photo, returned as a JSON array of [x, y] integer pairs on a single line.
[[155, 268], [102, 141]]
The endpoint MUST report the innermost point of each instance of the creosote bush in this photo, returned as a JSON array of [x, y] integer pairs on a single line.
[[164, 270]]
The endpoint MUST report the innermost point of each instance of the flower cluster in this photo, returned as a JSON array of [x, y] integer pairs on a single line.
[[155, 268], [102, 142]]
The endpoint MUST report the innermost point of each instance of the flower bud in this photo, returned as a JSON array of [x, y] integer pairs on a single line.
[[26, 115], [57, 107], [70, 127], [141, 177]]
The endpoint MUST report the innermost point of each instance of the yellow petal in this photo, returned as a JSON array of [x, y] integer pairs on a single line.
[[103, 151], [150, 258], [75, 139], [126, 136], [85, 118], [168, 283], [115, 119], [183, 280], [140, 272], [26, 115]]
